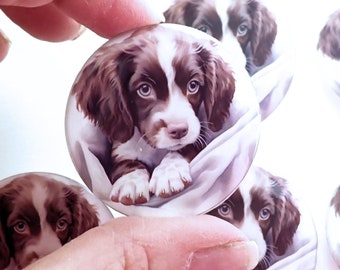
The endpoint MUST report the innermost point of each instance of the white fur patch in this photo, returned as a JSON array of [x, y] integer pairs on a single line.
[[134, 186], [171, 176]]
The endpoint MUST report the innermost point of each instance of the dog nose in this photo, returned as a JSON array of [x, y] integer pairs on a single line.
[[178, 130]]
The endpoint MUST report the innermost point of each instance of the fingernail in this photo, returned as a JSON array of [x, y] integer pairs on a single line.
[[5, 43], [82, 29], [237, 255]]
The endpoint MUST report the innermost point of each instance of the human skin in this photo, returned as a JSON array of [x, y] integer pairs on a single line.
[[197, 242], [62, 20]]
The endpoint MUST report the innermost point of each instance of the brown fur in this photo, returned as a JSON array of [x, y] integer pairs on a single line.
[[16, 204]]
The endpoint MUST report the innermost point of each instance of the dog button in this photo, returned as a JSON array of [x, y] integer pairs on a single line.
[[63, 208], [163, 120]]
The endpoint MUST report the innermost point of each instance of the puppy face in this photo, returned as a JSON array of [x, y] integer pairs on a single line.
[[263, 209], [39, 216], [167, 93], [156, 80], [248, 21]]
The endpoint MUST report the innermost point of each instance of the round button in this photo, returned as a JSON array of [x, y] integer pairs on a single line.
[[163, 120]]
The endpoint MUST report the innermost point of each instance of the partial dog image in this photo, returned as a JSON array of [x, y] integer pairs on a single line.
[[146, 94], [335, 202], [333, 225], [263, 208], [249, 22], [37, 216], [329, 39]]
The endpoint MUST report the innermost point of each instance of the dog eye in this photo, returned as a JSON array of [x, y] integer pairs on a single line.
[[264, 214], [62, 224], [242, 30], [204, 28], [224, 210], [20, 227], [193, 87], [144, 90]]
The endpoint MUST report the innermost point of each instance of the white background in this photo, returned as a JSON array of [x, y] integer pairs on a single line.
[[300, 141]]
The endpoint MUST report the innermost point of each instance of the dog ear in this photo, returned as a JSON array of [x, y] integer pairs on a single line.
[[329, 39], [263, 33], [84, 215], [219, 88], [286, 218], [4, 249], [102, 95], [182, 12]]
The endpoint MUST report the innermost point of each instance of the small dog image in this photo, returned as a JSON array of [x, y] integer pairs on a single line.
[[37, 216], [263, 208], [329, 39], [249, 22], [333, 225], [156, 95]]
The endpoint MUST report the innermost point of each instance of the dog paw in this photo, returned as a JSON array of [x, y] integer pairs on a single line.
[[171, 176], [131, 188]]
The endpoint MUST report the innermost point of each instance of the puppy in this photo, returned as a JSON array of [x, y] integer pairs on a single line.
[[329, 39], [249, 22], [262, 207], [39, 215], [145, 93]]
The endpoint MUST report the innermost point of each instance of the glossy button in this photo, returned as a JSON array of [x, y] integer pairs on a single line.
[[41, 212], [163, 120]]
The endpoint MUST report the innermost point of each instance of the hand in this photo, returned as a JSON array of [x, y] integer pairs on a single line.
[[200, 242], [61, 20]]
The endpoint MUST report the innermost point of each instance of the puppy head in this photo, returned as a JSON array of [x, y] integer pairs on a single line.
[[38, 216], [256, 27], [262, 207], [249, 21], [155, 80], [329, 39]]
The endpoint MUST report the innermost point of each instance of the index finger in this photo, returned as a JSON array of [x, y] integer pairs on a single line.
[[110, 17]]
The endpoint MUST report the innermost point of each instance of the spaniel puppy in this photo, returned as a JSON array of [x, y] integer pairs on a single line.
[[145, 93], [329, 39], [263, 209], [39, 215], [249, 21]]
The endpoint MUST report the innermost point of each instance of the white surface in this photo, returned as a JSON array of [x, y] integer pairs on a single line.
[[299, 141]]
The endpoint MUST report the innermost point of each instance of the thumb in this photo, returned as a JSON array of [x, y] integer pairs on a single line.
[[199, 242]]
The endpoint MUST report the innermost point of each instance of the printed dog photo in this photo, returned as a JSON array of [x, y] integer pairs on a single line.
[[263, 208], [249, 22], [39, 214], [158, 96]]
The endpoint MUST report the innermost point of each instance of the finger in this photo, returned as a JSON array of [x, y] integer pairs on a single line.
[[157, 243], [45, 22], [24, 3], [4, 45], [110, 17]]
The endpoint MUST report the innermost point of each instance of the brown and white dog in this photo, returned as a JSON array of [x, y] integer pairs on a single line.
[[249, 21], [262, 207], [145, 94], [329, 39], [39, 215]]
